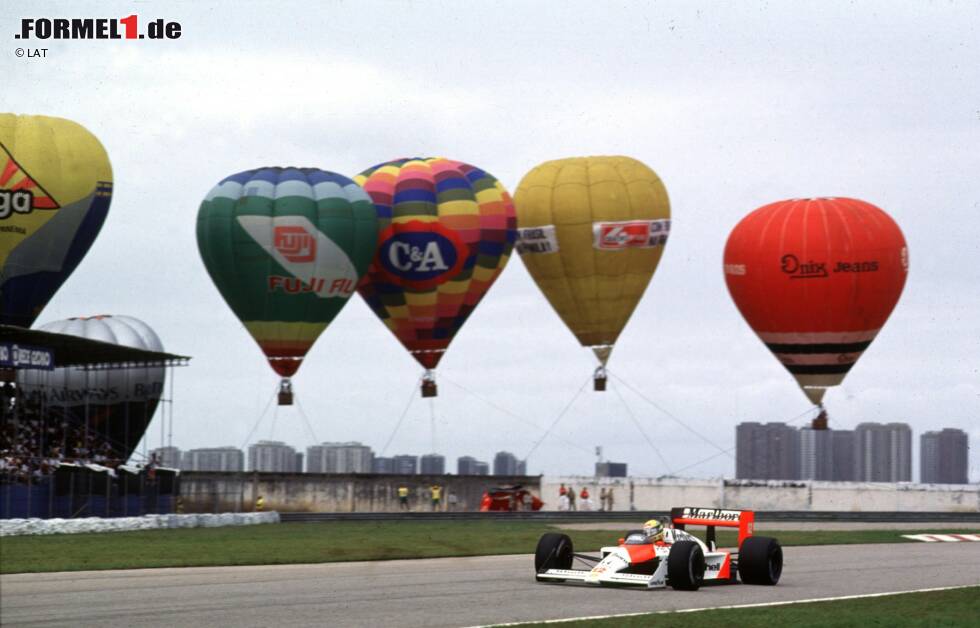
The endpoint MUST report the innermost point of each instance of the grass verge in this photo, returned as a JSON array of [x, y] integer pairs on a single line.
[[955, 607], [329, 542]]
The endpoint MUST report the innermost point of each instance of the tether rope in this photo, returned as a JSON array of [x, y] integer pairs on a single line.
[[507, 412], [275, 393], [639, 427], [671, 416], [559, 417], [408, 405]]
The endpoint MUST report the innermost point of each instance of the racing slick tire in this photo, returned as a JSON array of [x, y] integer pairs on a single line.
[[760, 560], [685, 566], [554, 551]]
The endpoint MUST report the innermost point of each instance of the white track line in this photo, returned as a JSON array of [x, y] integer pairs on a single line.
[[733, 606]]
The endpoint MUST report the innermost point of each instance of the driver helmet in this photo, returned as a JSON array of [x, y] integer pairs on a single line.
[[654, 529]]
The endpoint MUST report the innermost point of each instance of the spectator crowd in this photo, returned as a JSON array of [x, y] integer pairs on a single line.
[[33, 443]]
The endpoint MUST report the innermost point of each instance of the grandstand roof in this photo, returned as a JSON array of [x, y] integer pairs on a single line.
[[83, 352]]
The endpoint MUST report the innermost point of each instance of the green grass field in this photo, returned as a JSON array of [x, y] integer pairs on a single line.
[[956, 607], [326, 542]]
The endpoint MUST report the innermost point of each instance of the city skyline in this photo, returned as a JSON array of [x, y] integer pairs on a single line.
[[327, 457], [784, 452]]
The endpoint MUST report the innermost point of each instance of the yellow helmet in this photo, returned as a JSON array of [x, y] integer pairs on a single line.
[[654, 529]]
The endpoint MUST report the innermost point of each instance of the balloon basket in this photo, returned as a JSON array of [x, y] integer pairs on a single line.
[[599, 380], [285, 393], [429, 388], [819, 423]]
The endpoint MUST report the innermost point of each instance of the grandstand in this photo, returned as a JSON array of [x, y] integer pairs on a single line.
[[63, 453]]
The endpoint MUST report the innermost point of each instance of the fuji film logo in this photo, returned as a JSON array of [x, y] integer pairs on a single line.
[[295, 243]]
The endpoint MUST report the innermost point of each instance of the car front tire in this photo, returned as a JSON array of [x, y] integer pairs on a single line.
[[685, 566], [554, 551]]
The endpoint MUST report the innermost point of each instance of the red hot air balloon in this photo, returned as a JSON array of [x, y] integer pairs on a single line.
[[816, 279]]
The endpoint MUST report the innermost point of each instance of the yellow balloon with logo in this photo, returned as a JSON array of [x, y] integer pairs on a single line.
[[591, 231], [55, 189]]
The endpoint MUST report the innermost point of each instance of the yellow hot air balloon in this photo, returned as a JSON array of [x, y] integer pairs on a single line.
[[55, 189], [591, 231]]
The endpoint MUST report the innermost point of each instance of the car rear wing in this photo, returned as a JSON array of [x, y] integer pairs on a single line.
[[713, 518]]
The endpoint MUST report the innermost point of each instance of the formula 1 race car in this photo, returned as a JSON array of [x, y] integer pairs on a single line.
[[679, 559]]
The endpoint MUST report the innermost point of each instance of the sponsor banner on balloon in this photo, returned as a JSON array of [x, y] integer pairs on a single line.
[[420, 255], [24, 357], [537, 240], [317, 264], [632, 234]]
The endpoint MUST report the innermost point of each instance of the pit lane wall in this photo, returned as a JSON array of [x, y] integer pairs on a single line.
[[650, 494], [206, 491]]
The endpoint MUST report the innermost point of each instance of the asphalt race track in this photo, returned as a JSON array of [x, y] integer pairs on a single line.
[[441, 592]]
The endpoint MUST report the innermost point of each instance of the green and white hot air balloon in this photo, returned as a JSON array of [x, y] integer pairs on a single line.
[[286, 248]]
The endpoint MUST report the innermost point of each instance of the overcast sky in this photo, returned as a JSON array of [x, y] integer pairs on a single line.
[[734, 105]]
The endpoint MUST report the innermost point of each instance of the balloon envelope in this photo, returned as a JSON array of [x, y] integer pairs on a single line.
[[816, 279], [286, 248], [117, 404], [55, 188], [446, 231], [592, 231]]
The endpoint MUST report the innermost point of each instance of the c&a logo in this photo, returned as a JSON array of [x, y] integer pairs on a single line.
[[295, 243], [420, 255]]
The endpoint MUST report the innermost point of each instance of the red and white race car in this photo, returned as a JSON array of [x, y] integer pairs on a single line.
[[679, 560]]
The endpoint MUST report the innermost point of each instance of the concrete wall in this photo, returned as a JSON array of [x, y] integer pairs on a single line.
[[654, 494], [312, 492], [202, 491]]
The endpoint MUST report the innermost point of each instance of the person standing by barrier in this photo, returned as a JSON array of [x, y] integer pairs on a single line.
[[436, 496], [571, 498], [602, 499], [452, 500], [403, 497]]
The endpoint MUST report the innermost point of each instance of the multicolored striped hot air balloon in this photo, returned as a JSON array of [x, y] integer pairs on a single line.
[[816, 279], [286, 248], [55, 189], [446, 231], [592, 231]]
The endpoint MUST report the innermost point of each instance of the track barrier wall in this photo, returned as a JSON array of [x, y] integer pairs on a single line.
[[649, 494], [205, 491], [89, 494]]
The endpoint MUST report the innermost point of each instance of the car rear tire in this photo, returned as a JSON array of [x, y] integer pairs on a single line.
[[685, 566], [554, 551], [760, 561]]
